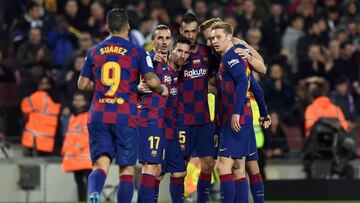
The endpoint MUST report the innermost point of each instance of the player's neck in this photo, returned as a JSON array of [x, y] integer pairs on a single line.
[[120, 34], [194, 48], [228, 47]]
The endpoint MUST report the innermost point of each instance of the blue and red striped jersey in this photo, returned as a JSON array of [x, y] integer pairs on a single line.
[[152, 110], [255, 88], [233, 89], [115, 65], [193, 88], [152, 55], [172, 104]]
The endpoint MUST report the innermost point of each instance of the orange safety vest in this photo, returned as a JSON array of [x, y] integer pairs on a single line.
[[42, 121], [322, 107], [76, 150]]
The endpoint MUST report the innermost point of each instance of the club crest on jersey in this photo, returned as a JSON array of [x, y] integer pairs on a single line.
[[182, 147], [153, 153], [174, 91], [233, 62], [195, 73], [205, 58]]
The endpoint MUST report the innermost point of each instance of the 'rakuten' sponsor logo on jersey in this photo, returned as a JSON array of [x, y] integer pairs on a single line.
[[195, 73], [167, 79]]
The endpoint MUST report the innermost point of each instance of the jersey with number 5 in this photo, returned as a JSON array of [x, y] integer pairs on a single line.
[[114, 65]]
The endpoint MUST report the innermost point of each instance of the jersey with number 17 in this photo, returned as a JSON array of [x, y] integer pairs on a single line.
[[114, 65]]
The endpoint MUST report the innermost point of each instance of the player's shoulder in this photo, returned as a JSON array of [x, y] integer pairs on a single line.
[[230, 58], [229, 54], [136, 47], [92, 49], [241, 46], [160, 67], [152, 54]]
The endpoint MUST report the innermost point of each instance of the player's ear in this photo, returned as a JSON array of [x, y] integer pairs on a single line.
[[107, 28], [230, 36], [171, 42], [128, 26]]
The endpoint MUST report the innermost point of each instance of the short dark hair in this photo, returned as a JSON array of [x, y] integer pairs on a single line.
[[81, 93], [183, 40], [159, 27], [117, 19], [189, 18], [295, 17], [347, 42], [322, 89], [341, 80], [205, 25], [31, 5]]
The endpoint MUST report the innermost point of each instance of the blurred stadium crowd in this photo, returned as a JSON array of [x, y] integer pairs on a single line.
[[301, 41]]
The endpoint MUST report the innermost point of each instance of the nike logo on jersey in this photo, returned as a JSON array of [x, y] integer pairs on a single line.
[[221, 150], [252, 154]]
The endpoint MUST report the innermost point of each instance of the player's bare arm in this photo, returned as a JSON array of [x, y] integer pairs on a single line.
[[143, 87], [251, 49], [212, 86], [154, 84], [255, 59], [85, 83], [256, 64]]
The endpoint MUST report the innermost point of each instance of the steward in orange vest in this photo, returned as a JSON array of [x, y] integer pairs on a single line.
[[322, 107], [42, 113], [76, 149]]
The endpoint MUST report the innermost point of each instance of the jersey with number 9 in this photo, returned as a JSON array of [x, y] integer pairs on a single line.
[[114, 65]]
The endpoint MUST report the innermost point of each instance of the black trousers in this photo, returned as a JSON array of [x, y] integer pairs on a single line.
[[81, 179]]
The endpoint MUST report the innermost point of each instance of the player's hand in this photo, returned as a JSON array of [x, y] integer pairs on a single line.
[[143, 87], [238, 41], [159, 57], [265, 122], [235, 122], [244, 54], [165, 91]]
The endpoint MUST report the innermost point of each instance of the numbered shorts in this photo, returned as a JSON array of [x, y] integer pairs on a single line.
[[151, 145], [114, 141], [174, 158], [253, 153], [235, 144], [198, 140]]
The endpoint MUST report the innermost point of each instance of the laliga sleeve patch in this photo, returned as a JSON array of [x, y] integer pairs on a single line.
[[149, 61], [233, 62]]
